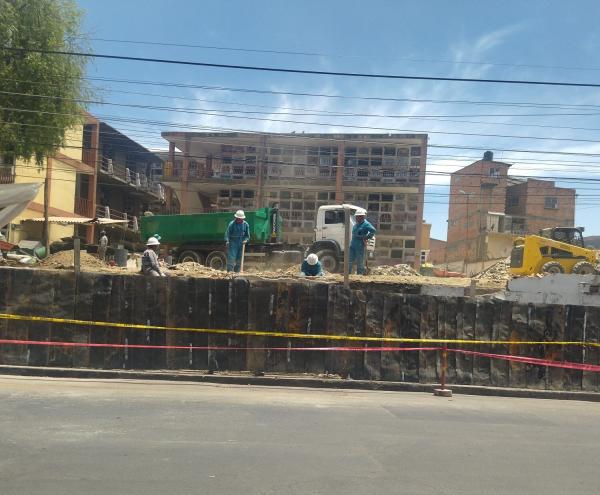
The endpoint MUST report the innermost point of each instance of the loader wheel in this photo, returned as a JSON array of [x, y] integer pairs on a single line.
[[192, 256], [584, 268], [329, 260], [552, 267]]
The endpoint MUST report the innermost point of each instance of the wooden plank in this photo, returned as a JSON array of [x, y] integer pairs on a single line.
[[499, 373], [465, 330], [429, 330]]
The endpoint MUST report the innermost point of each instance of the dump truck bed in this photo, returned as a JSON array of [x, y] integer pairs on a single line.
[[207, 227]]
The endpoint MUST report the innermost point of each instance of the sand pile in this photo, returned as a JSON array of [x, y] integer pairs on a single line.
[[64, 260], [498, 272], [400, 270]]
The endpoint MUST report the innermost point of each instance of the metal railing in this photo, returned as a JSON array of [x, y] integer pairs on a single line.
[[138, 180], [7, 176], [83, 207], [129, 222]]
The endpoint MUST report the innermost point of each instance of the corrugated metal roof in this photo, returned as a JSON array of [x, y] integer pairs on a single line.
[[63, 220], [75, 220]]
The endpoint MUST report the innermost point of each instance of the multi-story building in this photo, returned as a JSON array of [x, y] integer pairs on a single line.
[[63, 171], [488, 207], [126, 185], [99, 173], [300, 172]]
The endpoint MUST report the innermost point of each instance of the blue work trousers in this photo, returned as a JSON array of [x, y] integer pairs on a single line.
[[357, 255], [234, 256]]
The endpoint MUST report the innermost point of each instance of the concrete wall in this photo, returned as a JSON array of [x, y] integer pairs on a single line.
[[294, 306]]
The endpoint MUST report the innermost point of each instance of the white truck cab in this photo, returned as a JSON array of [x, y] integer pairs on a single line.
[[328, 244]]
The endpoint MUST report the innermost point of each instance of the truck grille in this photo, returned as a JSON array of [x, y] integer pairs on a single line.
[[516, 257]]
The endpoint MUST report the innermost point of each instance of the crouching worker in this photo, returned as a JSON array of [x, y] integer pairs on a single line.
[[150, 259], [311, 267]]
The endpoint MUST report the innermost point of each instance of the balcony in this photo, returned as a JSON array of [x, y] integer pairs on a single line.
[[135, 179], [128, 222], [83, 207]]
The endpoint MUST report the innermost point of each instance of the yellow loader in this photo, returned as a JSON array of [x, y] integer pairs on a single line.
[[555, 250]]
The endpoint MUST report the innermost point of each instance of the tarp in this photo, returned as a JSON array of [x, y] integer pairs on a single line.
[[14, 198]]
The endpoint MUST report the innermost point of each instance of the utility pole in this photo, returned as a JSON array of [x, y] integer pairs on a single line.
[[347, 246], [46, 227]]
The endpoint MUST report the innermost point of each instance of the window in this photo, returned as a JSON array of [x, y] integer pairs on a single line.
[[389, 151], [494, 172], [376, 151], [236, 193], [409, 243], [415, 151], [334, 216], [396, 254], [322, 196], [285, 194], [513, 201], [387, 197], [248, 193], [551, 203]]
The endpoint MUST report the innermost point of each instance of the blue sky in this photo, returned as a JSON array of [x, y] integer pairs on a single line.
[[539, 40]]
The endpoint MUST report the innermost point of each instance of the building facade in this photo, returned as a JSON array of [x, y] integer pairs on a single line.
[[301, 172], [488, 208], [98, 173]]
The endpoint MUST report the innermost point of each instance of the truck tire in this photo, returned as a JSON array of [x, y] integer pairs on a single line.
[[217, 260], [329, 260], [583, 268], [189, 255], [552, 267]]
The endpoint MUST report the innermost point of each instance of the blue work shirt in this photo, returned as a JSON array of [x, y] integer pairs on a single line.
[[361, 232], [237, 232], [311, 270]]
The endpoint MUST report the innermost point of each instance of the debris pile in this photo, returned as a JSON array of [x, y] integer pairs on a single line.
[[64, 260], [193, 269], [400, 270], [498, 272]]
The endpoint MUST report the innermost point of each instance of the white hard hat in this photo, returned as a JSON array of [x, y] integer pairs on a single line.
[[240, 214], [360, 212], [152, 241], [312, 259]]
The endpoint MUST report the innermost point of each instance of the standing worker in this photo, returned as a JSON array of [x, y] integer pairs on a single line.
[[102, 245], [150, 259], [362, 231], [311, 266], [236, 235]]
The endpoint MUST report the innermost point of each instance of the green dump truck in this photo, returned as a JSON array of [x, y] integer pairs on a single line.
[[200, 237]]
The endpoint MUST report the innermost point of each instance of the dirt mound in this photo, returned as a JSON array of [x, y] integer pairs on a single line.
[[400, 270], [498, 272], [192, 269], [64, 260]]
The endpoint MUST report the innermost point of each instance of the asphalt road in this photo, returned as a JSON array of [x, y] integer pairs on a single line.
[[68, 437]]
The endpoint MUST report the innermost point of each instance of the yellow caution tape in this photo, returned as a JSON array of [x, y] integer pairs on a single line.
[[289, 335]]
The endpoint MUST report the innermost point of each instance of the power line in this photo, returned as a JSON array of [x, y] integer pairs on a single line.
[[324, 95], [321, 124], [303, 71], [565, 163], [307, 112], [332, 55]]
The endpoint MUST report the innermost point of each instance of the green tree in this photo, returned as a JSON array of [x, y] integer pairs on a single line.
[[33, 126]]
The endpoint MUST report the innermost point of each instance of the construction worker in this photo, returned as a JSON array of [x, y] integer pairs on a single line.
[[236, 235], [150, 258], [361, 233], [311, 266], [102, 246]]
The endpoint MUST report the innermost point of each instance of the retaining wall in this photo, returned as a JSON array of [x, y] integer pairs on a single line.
[[292, 306]]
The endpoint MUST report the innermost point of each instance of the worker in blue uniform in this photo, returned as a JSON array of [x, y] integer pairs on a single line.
[[236, 235], [311, 266], [362, 231]]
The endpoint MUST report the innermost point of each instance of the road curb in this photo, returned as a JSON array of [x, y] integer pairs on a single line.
[[293, 381]]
